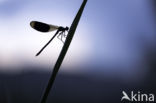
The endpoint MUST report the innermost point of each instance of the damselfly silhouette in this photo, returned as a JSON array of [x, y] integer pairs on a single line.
[[43, 27]]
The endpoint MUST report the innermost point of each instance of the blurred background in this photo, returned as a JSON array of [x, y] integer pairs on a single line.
[[113, 50]]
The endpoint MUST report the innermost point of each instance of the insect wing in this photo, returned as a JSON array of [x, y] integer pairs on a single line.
[[53, 27], [43, 27], [39, 26]]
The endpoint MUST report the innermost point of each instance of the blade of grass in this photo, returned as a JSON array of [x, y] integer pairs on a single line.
[[63, 51]]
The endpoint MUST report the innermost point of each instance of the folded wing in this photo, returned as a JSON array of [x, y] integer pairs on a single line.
[[43, 27]]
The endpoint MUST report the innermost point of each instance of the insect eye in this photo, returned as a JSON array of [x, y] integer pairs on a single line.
[[42, 27]]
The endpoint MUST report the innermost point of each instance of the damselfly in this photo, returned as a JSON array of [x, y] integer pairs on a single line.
[[43, 27]]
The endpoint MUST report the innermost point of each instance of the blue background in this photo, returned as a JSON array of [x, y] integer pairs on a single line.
[[113, 50]]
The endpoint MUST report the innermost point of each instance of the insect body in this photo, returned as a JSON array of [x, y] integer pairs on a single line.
[[43, 27]]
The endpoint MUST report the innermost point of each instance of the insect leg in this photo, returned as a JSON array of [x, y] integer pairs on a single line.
[[62, 36], [65, 35], [59, 35]]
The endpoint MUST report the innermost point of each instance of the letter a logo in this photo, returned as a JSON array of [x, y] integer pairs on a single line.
[[125, 96]]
